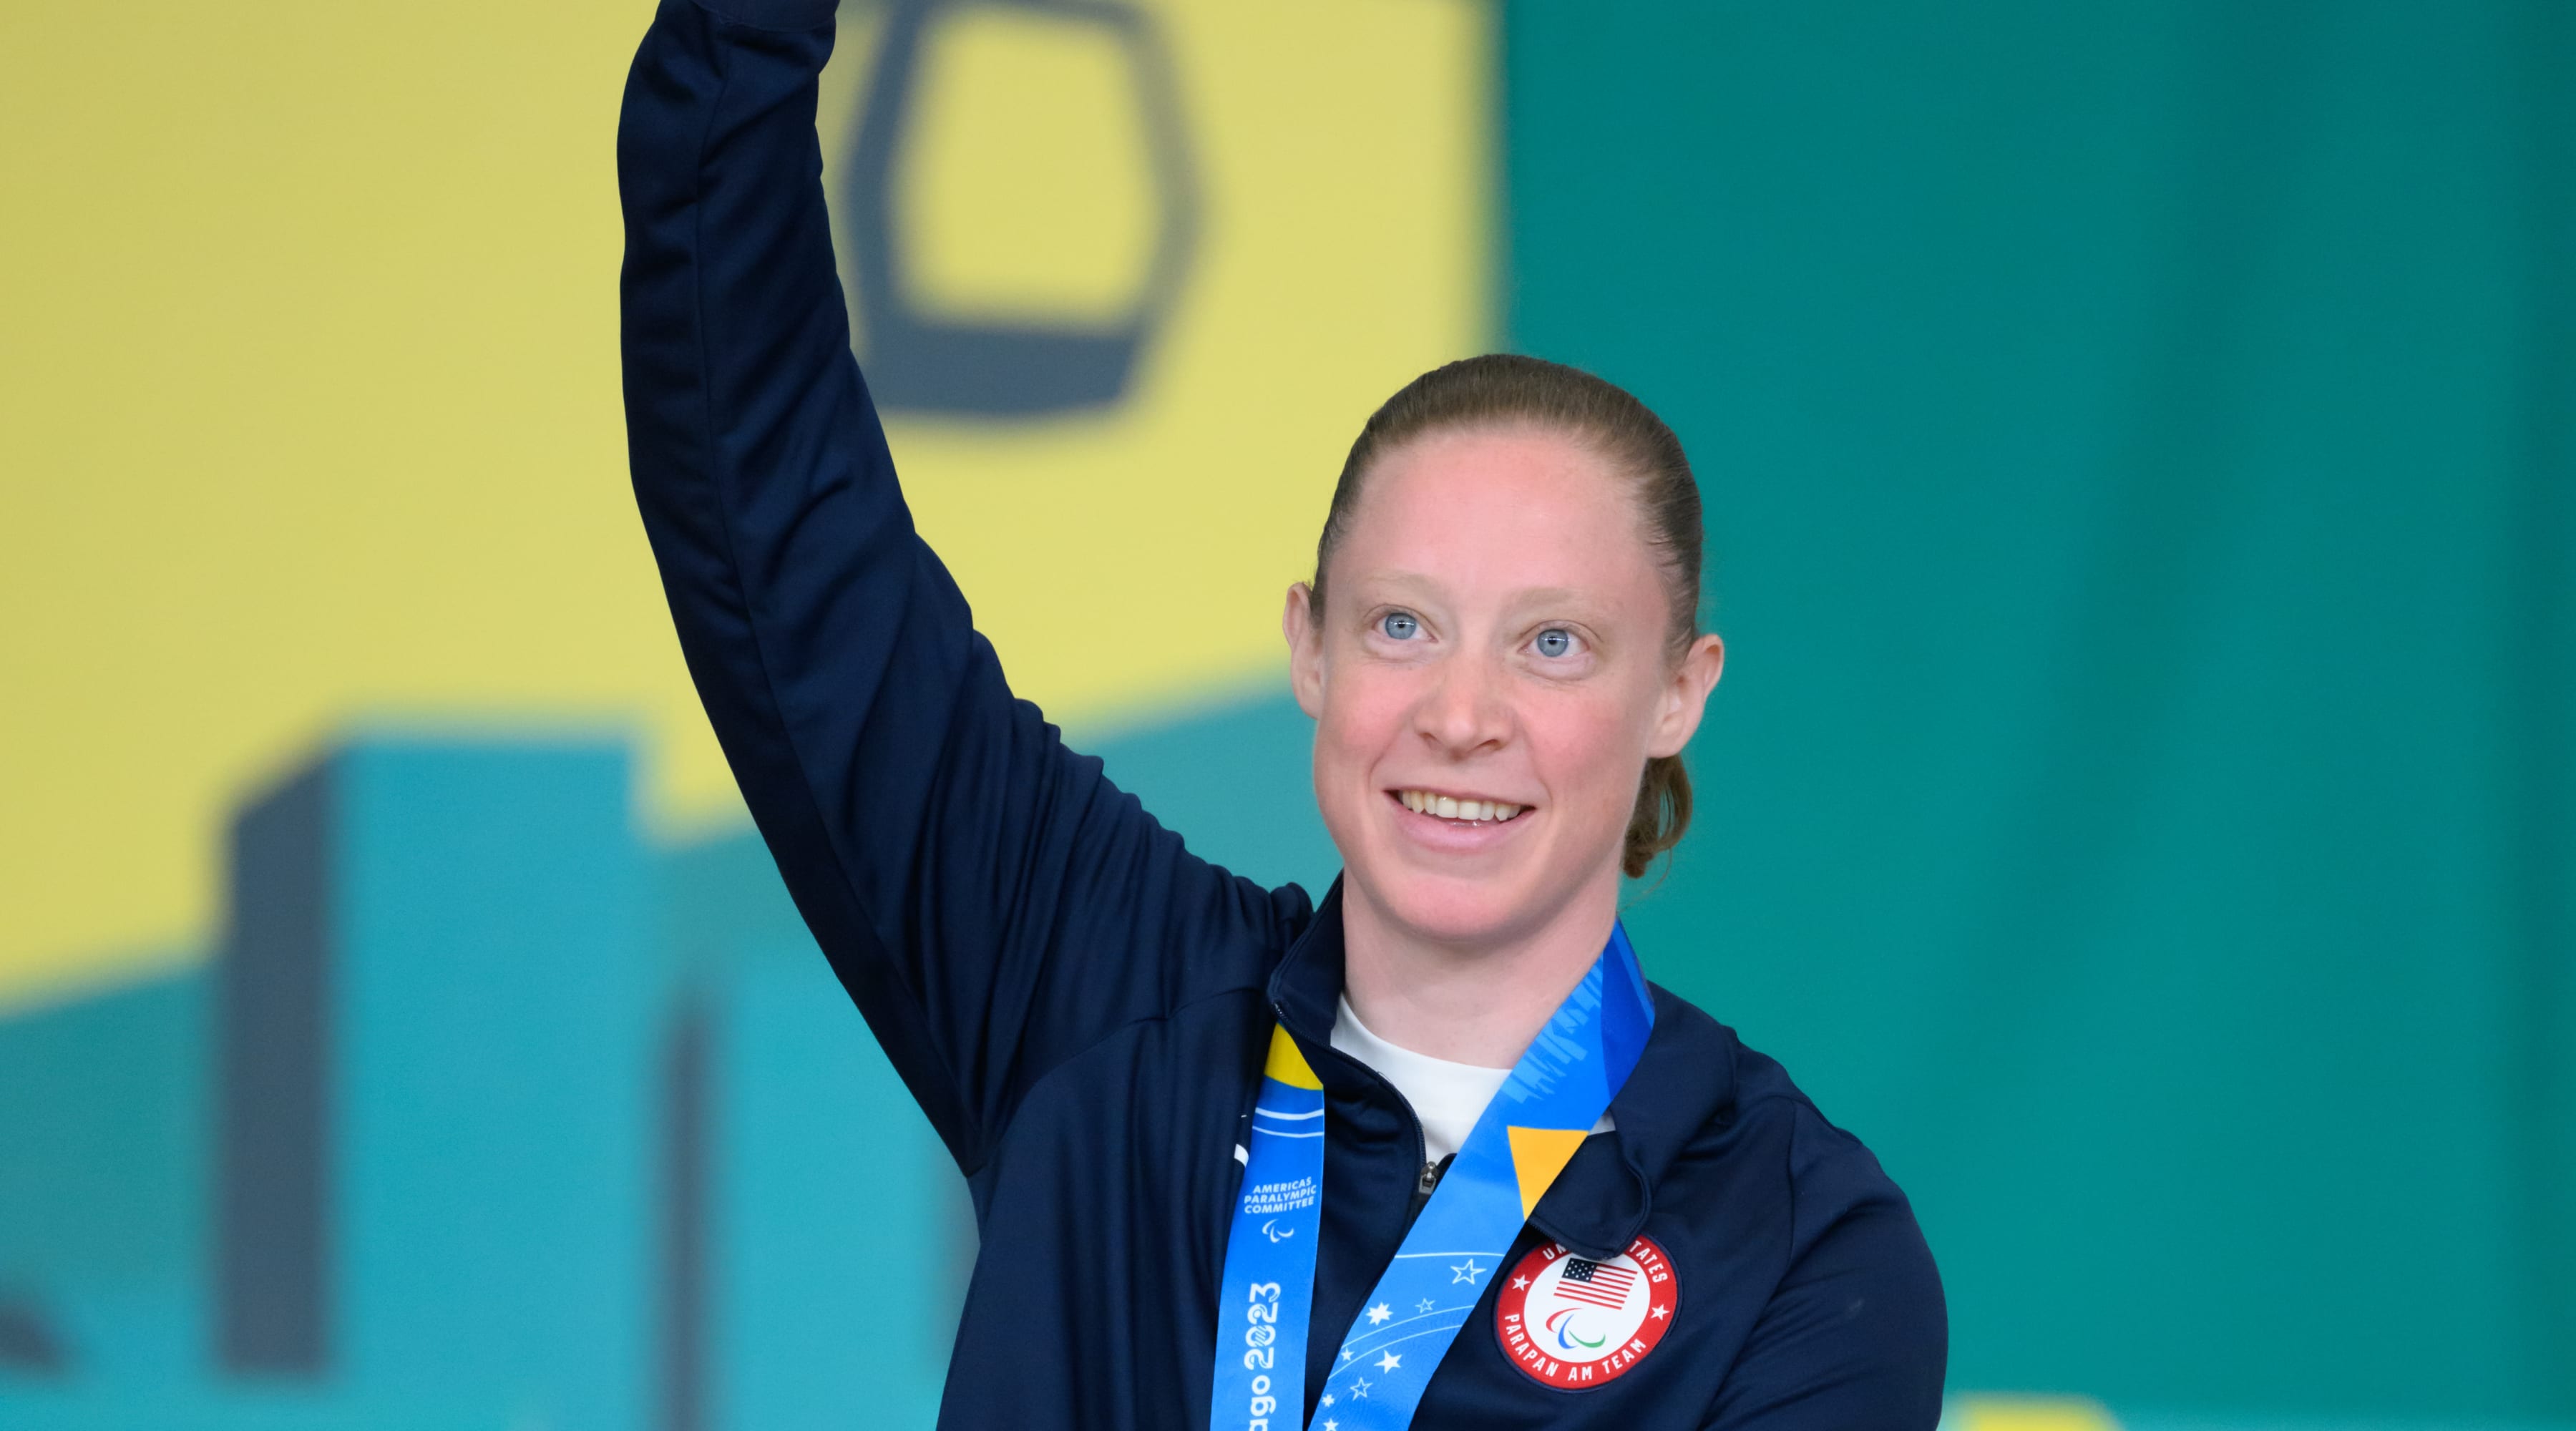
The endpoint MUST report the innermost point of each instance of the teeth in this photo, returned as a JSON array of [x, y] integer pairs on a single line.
[[1449, 807]]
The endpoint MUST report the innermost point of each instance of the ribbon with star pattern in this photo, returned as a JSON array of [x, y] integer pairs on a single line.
[[1524, 1138]]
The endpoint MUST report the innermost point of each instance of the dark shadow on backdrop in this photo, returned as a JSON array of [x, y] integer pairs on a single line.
[[922, 361]]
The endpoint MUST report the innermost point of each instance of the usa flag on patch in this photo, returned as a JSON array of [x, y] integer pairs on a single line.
[[1598, 1283]]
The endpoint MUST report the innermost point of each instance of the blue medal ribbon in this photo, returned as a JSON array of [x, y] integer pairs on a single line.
[[1524, 1138]]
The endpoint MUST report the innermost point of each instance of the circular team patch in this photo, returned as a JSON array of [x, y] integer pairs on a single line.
[[1571, 1322]]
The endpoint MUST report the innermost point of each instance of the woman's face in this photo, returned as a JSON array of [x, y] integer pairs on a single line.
[[1491, 676]]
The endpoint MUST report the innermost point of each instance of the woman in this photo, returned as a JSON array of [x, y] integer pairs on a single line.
[[1428, 1152]]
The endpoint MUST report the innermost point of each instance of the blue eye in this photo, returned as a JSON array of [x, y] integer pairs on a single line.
[[1555, 642], [1399, 625]]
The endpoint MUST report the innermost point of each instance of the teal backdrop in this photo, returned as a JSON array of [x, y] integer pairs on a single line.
[[2137, 440]]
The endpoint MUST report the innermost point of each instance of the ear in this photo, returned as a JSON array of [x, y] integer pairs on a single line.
[[1305, 649], [1686, 696]]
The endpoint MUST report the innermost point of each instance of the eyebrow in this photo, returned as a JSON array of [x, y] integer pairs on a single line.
[[1530, 596], [1550, 596]]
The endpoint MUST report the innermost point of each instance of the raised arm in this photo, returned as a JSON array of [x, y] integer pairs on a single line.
[[991, 902]]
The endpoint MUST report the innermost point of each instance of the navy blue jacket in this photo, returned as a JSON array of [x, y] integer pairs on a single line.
[[1081, 1005]]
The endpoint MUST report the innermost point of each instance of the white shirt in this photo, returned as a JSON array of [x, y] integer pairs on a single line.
[[1447, 1097]]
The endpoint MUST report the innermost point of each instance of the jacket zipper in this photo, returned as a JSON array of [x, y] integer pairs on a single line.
[[1427, 1184], [1428, 1179]]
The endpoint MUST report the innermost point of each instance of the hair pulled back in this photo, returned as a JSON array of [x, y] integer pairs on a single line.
[[1502, 390]]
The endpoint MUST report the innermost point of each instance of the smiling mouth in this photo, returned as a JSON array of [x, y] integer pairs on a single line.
[[1457, 811]]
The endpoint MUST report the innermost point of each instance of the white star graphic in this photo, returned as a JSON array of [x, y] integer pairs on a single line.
[[1359, 1388], [1424, 1304], [1331, 1425], [1389, 1362], [1467, 1271], [1347, 1353], [1379, 1313], [1662, 1312], [1520, 1281], [1328, 1398]]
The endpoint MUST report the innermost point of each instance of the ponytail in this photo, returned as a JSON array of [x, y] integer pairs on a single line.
[[1663, 812]]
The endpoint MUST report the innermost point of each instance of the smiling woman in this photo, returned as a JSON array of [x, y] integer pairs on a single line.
[[1241, 1159], [1516, 549]]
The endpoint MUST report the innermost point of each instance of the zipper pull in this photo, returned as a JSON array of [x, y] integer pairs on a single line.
[[1430, 1179]]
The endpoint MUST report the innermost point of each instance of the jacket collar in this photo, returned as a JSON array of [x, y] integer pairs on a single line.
[[1684, 1080]]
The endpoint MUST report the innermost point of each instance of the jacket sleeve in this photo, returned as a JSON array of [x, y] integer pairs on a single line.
[[1857, 1336], [992, 903]]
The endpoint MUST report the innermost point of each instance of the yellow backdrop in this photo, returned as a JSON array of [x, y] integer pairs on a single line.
[[309, 405]]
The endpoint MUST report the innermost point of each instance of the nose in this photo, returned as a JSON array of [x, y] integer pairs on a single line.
[[1466, 710]]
